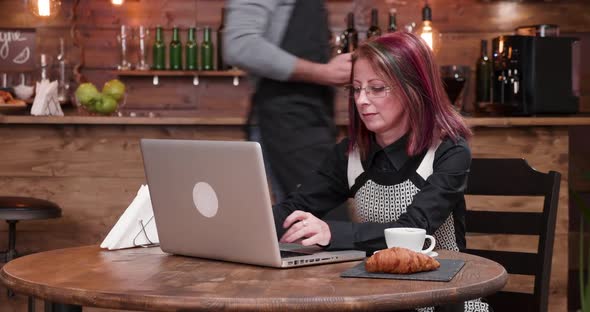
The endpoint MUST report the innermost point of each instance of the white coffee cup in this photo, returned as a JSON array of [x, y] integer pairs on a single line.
[[410, 238]]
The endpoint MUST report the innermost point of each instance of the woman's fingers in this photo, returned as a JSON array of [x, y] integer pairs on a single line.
[[304, 225], [296, 216], [297, 231]]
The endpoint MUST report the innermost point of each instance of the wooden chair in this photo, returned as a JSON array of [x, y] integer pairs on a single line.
[[514, 177]]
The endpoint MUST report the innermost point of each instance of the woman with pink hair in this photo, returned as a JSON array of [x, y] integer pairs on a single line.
[[405, 162]]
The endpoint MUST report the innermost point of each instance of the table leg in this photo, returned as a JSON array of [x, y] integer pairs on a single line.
[[61, 307]]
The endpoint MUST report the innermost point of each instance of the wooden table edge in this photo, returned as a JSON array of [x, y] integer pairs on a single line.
[[159, 303], [163, 303]]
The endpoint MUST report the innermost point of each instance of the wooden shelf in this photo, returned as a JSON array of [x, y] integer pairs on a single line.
[[205, 119], [180, 73]]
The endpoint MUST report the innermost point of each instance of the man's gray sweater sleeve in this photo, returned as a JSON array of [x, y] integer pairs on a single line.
[[253, 32]]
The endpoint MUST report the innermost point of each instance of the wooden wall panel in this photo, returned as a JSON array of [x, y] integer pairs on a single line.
[[33, 157], [462, 24], [212, 94], [94, 171], [483, 16], [544, 149], [457, 48]]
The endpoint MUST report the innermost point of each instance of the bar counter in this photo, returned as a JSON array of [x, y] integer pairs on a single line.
[[239, 121], [92, 167]]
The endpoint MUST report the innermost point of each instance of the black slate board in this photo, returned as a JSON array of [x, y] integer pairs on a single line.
[[448, 269]]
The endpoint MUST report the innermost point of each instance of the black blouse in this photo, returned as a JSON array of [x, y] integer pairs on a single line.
[[327, 188]]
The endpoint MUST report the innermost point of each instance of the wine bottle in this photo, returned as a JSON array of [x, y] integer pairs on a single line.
[[392, 25], [350, 35], [221, 65], [191, 50], [159, 50], [374, 30], [207, 50], [175, 51], [483, 75]]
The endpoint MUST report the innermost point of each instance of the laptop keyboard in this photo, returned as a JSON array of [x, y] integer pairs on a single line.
[[289, 254]]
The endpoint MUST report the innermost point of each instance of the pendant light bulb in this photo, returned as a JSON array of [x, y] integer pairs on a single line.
[[44, 8], [117, 2], [428, 32]]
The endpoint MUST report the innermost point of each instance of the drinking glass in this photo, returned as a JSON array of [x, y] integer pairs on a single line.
[[143, 37], [124, 38], [5, 80], [455, 79]]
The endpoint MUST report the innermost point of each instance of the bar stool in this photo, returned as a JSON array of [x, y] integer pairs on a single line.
[[14, 209]]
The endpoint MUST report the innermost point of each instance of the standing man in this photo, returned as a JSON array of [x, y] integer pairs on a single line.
[[285, 44]]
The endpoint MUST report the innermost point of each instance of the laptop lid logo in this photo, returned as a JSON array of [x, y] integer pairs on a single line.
[[205, 199]]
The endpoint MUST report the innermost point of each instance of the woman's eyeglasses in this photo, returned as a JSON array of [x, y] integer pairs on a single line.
[[372, 92]]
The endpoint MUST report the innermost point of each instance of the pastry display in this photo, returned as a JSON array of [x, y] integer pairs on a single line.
[[6, 98], [399, 260], [17, 102]]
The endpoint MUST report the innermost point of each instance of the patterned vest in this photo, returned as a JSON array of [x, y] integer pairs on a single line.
[[387, 200], [384, 198]]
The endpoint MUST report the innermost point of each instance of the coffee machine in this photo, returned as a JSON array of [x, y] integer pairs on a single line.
[[535, 75]]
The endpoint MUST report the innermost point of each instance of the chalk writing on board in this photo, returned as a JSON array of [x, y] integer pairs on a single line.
[[16, 47], [23, 56]]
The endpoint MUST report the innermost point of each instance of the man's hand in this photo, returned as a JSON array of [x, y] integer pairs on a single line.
[[336, 72], [306, 226]]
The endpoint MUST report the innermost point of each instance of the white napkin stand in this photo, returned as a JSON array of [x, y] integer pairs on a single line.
[[46, 102], [136, 227]]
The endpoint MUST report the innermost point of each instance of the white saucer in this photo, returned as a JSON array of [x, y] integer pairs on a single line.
[[432, 254]]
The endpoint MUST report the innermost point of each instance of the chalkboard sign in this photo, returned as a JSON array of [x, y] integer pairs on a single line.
[[17, 49]]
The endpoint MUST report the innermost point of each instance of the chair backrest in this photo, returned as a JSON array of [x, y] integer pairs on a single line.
[[514, 177]]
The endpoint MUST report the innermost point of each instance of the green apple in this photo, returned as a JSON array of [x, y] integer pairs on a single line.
[[86, 92], [106, 105], [114, 88], [91, 105]]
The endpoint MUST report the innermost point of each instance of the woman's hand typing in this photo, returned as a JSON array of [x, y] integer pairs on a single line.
[[306, 227]]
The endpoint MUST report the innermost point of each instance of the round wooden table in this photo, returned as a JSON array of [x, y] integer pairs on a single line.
[[149, 280]]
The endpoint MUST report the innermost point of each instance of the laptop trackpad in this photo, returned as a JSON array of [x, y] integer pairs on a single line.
[[303, 250]]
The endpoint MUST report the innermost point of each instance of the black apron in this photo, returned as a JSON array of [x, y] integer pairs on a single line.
[[296, 118]]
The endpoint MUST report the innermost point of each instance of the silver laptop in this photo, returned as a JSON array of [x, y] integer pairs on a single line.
[[211, 200]]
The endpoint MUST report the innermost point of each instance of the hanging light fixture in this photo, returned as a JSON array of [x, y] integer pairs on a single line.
[[117, 2], [427, 31], [44, 8]]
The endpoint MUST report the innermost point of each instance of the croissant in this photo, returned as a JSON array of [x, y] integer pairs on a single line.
[[399, 260]]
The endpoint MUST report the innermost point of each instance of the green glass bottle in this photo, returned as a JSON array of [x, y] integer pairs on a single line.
[[392, 25], [175, 51], [191, 50], [159, 51], [207, 50], [374, 30], [483, 73]]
